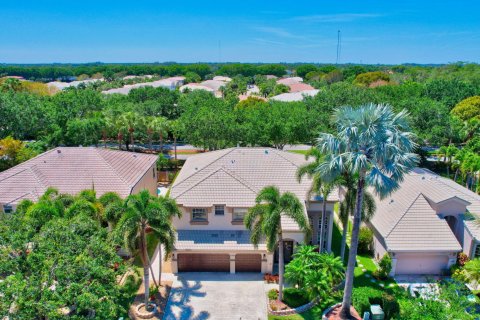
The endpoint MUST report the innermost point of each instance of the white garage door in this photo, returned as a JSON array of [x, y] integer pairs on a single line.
[[420, 264]]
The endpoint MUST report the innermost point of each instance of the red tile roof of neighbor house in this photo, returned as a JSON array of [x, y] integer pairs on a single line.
[[299, 87], [73, 169]]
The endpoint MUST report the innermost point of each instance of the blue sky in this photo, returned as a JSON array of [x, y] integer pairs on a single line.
[[41, 31]]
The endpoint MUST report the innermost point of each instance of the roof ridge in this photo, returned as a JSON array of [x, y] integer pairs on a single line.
[[206, 166], [111, 167], [26, 162], [404, 214], [199, 181], [281, 156], [239, 179]]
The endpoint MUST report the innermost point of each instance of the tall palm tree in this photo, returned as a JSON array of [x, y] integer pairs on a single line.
[[150, 125], [162, 126], [142, 210], [265, 219], [347, 207], [176, 127], [318, 187], [166, 237], [118, 125], [130, 121], [375, 144]]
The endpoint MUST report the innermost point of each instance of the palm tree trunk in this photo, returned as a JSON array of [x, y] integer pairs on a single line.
[[159, 263], [131, 141], [280, 267], [150, 142], [344, 238], [146, 284], [175, 147], [347, 293], [456, 175], [161, 143]]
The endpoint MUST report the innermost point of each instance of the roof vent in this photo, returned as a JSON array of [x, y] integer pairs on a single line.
[[232, 161], [266, 151], [391, 201], [196, 168], [59, 151], [423, 178]]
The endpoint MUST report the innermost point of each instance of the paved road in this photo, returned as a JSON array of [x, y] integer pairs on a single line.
[[217, 296]]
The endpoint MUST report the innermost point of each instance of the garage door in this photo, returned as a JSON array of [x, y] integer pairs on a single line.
[[248, 263], [421, 264], [203, 262]]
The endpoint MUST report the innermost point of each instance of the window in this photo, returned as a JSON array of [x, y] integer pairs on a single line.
[[239, 214], [219, 210], [7, 208], [477, 250], [199, 214], [153, 171]]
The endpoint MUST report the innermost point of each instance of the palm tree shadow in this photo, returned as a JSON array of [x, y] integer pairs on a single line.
[[178, 307]]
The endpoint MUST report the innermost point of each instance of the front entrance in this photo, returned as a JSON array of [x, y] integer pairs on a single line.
[[287, 251]]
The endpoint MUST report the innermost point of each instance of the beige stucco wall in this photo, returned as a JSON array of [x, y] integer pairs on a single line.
[[468, 243], [214, 222], [148, 181]]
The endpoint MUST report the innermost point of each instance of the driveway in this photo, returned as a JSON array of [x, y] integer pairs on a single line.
[[215, 295]]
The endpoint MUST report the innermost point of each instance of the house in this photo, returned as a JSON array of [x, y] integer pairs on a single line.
[[295, 96], [73, 169], [195, 86], [289, 81], [214, 191], [300, 87], [170, 83], [222, 78], [425, 224]]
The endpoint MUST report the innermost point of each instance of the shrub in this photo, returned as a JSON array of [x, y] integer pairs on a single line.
[[390, 306], [294, 297], [365, 79], [462, 258], [363, 297], [365, 241], [385, 265], [273, 294]]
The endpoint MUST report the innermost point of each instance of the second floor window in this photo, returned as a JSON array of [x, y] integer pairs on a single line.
[[239, 214], [219, 210], [7, 208], [199, 214]]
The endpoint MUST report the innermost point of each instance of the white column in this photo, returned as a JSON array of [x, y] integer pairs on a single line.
[[174, 263], [330, 229], [232, 263], [394, 266]]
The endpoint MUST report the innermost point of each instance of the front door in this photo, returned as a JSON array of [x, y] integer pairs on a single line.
[[287, 251]]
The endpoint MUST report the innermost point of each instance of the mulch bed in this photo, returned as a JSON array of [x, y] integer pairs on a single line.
[[160, 300], [334, 314]]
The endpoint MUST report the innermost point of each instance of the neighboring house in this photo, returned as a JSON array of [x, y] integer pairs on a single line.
[[289, 81], [63, 85], [73, 169], [295, 96], [425, 224], [300, 87], [170, 83], [222, 78], [195, 86], [215, 191]]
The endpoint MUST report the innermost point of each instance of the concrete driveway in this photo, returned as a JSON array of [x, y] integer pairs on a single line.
[[215, 295]]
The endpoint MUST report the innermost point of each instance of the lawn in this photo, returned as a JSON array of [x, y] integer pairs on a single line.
[[312, 314], [299, 152]]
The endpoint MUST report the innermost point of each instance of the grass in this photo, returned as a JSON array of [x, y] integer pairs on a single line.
[[312, 314]]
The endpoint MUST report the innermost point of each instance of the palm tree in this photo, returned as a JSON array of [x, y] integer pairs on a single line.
[[176, 126], [162, 126], [318, 187], [166, 236], [150, 125], [264, 219], [472, 270], [142, 210], [113, 208], [118, 125], [347, 207], [130, 121], [373, 143]]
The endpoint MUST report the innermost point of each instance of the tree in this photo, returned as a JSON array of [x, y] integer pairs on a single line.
[[374, 143], [130, 121], [264, 219], [303, 69], [318, 187], [467, 109], [176, 128], [162, 126], [472, 270], [143, 210]]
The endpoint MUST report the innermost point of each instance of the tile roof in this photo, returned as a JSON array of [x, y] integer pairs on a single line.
[[295, 96], [234, 177], [72, 169], [288, 81], [216, 239], [299, 87], [405, 205]]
